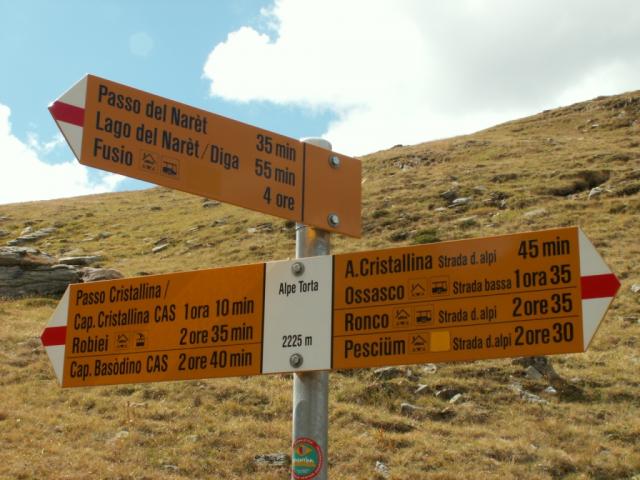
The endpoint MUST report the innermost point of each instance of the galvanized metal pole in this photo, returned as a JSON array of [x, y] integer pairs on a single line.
[[311, 389]]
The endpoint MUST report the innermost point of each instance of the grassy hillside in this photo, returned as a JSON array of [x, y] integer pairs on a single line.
[[534, 173]]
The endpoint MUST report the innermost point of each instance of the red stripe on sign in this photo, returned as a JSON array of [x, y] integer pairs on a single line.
[[599, 286], [54, 336], [67, 113]]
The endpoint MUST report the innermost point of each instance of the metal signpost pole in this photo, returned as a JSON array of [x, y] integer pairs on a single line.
[[311, 389]]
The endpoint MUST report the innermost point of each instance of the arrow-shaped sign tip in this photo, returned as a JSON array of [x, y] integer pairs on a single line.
[[599, 287], [54, 336], [68, 112]]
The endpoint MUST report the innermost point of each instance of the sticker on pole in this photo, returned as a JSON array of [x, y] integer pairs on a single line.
[[306, 461]]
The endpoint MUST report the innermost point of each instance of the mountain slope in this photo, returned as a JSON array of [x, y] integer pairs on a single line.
[[578, 165]]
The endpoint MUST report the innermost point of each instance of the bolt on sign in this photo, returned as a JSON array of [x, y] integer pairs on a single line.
[[123, 130], [534, 293]]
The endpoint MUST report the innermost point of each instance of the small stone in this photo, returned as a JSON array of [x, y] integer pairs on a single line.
[[398, 236], [3, 233], [382, 469], [273, 460], [103, 235], [447, 393], [81, 260], [408, 409], [422, 389], [535, 213], [449, 195], [594, 192], [540, 363], [497, 199], [90, 274], [24, 257], [456, 398], [170, 467], [28, 235], [430, 368], [261, 227], [635, 288], [479, 189], [387, 373], [411, 376], [191, 244], [210, 203], [526, 396], [160, 248], [447, 413], [458, 202], [550, 390], [531, 398], [122, 434], [532, 373]]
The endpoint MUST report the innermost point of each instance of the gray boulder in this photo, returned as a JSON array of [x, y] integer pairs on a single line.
[[26, 271], [95, 274], [81, 260], [29, 236], [21, 280]]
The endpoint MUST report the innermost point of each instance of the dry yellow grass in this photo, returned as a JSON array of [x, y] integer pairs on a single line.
[[528, 174]]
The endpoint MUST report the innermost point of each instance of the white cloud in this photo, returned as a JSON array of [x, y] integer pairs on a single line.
[[25, 177], [406, 71], [34, 142]]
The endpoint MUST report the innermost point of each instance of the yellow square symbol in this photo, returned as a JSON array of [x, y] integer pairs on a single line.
[[440, 341]]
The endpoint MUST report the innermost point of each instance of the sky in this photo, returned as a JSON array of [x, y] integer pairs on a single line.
[[364, 74]]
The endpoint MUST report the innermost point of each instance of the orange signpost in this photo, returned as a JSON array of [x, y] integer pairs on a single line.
[[535, 293], [179, 326], [123, 130]]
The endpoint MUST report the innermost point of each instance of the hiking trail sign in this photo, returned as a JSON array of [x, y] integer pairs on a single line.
[[123, 130], [534, 293]]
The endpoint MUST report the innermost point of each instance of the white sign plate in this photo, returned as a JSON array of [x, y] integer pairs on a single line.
[[298, 320]]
